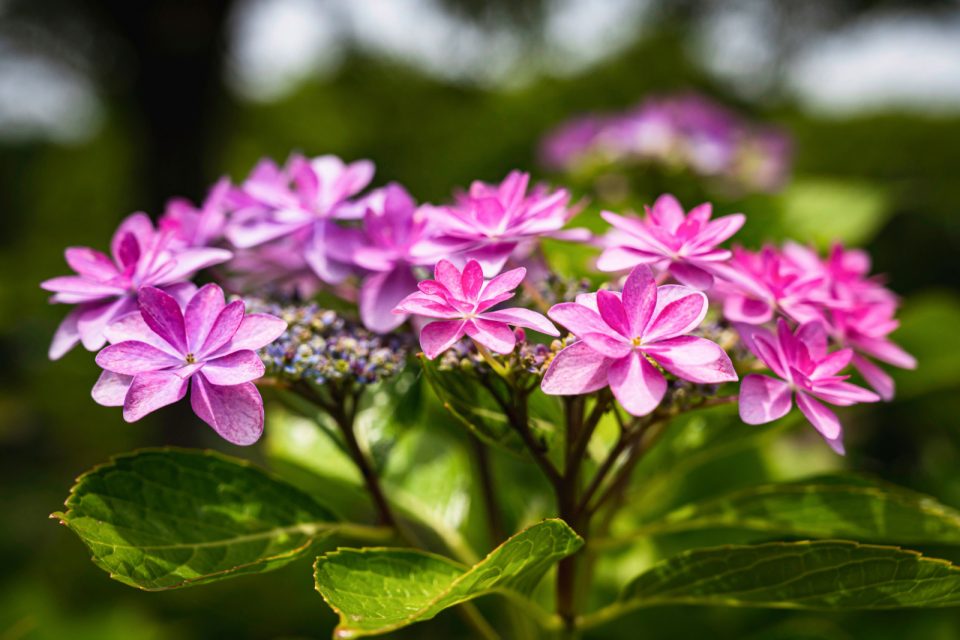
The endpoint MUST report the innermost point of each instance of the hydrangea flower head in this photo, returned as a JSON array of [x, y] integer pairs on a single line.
[[302, 201], [392, 226], [756, 285], [460, 302], [620, 333], [488, 222], [156, 354], [804, 368], [105, 287], [686, 245]]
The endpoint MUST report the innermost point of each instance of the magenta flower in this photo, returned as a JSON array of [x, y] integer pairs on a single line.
[[619, 333], [754, 286], [490, 221], [105, 288], [198, 226], [391, 227], [155, 354], [302, 201], [801, 362], [686, 245], [460, 303]]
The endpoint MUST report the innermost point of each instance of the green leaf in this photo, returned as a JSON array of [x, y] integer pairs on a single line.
[[473, 406], [820, 575], [168, 518], [827, 507], [795, 575], [378, 590]]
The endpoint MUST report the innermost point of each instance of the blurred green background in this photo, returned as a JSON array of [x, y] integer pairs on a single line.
[[111, 107]]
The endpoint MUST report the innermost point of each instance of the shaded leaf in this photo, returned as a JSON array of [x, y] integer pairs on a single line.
[[793, 575], [378, 590], [827, 507], [167, 518]]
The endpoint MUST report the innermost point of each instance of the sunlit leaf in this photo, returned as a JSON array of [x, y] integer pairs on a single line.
[[378, 590]]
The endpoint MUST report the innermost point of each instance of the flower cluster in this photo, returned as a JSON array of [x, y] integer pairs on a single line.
[[684, 131], [320, 345], [314, 226]]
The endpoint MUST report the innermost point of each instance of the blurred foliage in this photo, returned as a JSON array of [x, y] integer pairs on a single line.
[[885, 181]]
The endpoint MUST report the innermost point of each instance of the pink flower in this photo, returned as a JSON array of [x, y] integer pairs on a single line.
[[490, 221], [155, 354], [197, 227], [105, 287], [754, 286], [392, 225], [801, 362], [619, 333], [302, 202], [460, 303], [859, 310], [686, 245]]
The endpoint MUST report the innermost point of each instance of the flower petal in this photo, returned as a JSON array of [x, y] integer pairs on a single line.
[[695, 359], [667, 212], [235, 412], [763, 399], [132, 357], [876, 377], [224, 327], [576, 370], [613, 313], [256, 331], [496, 336], [91, 263], [519, 317], [823, 420], [379, 296], [152, 390], [234, 368], [111, 389], [623, 258], [639, 298], [607, 345], [189, 261], [691, 275], [636, 384], [503, 283], [92, 324], [679, 311], [738, 308], [437, 337], [426, 305], [162, 313], [578, 319], [201, 314], [67, 335], [471, 281], [449, 276]]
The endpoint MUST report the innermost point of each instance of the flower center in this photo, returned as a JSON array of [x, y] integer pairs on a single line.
[[191, 359], [636, 341]]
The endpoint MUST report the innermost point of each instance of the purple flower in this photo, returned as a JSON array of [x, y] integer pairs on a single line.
[[669, 240], [392, 225], [801, 362], [490, 221], [461, 301], [105, 288], [302, 201], [620, 333], [197, 227], [154, 356]]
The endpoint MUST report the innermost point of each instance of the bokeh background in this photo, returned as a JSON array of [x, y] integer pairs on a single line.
[[115, 106]]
